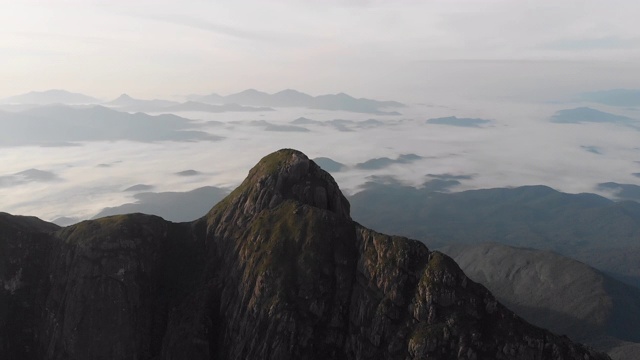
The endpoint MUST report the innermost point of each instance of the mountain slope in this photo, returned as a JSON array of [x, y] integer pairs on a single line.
[[555, 292], [276, 270], [25, 243]]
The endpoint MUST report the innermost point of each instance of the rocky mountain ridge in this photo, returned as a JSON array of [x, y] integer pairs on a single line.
[[277, 270]]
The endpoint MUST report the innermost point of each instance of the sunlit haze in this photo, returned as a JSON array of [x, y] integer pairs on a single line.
[[493, 93], [406, 50]]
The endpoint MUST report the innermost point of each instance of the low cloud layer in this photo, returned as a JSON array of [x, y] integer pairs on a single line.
[[522, 147]]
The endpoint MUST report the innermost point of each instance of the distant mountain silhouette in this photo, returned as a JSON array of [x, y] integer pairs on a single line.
[[209, 99], [189, 172], [329, 165], [341, 124], [383, 162], [233, 102], [294, 98], [622, 191], [250, 97], [126, 103], [139, 188], [51, 97], [268, 126], [463, 122], [291, 97], [613, 97], [592, 149], [199, 106], [172, 206], [27, 176], [589, 115]]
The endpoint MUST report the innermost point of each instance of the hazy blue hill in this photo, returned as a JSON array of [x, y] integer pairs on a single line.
[[60, 125], [127, 103], [285, 128], [291, 97], [455, 121], [622, 191], [209, 99], [295, 98], [250, 97], [587, 115], [383, 162], [329, 165], [199, 106], [613, 97], [51, 97], [139, 188], [306, 121], [193, 106], [556, 292], [345, 102], [27, 176], [172, 206]]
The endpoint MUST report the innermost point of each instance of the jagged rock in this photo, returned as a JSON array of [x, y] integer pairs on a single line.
[[277, 270]]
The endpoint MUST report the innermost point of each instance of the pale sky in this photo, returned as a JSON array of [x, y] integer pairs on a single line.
[[402, 50]]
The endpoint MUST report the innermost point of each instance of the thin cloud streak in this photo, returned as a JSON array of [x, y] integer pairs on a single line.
[[211, 27]]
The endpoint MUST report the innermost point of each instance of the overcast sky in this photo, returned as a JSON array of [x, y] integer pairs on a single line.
[[405, 50]]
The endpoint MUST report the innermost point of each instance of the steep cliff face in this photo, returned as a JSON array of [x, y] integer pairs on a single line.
[[277, 270], [25, 244], [113, 282]]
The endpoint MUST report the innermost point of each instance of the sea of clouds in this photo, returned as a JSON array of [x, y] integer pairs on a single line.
[[518, 145]]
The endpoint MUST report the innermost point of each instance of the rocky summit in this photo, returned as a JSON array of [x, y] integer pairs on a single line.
[[277, 270]]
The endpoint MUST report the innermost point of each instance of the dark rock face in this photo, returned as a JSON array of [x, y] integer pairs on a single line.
[[110, 289], [24, 248], [277, 270]]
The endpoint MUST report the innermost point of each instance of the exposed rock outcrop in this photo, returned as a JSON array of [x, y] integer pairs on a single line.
[[277, 270]]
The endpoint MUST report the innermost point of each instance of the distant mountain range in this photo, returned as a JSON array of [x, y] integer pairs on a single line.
[[589, 115], [172, 206], [462, 122], [622, 191], [587, 227], [59, 125], [294, 98], [126, 103], [247, 100], [51, 97], [613, 97]]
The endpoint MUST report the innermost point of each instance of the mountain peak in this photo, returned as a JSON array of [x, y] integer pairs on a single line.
[[124, 97], [277, 270], [287, 174]]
